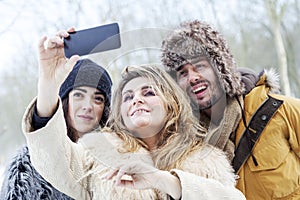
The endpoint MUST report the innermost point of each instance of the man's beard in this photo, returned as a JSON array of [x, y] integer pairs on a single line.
[[208, 104]]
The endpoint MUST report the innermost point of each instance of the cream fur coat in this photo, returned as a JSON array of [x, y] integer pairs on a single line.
[[77, 169]]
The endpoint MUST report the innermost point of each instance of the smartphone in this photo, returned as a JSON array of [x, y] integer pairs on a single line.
[[93, 40]]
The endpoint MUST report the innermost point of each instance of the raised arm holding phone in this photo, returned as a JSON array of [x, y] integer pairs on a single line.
[[53, 70], [86, 96]]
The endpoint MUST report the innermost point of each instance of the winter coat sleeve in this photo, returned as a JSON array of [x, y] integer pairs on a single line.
[[291, 114], [196, 187], [207, 174], [55, 156]]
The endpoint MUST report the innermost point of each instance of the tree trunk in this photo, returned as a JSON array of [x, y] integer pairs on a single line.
[[275, 19]]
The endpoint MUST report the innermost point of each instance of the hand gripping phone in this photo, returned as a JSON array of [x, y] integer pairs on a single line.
[[92, 40]]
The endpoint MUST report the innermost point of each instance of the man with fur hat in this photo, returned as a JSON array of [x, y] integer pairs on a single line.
[[245, 116]]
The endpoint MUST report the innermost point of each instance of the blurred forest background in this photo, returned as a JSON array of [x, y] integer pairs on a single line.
[[262, 34]]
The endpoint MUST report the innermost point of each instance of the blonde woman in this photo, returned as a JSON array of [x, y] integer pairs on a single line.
[[151, 149]]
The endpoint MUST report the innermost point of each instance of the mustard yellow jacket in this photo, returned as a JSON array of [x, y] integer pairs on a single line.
[[276, 175]]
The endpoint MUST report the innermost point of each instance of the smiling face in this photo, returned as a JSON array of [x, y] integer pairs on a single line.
[[200, 82], [142, 110], [85, 109]]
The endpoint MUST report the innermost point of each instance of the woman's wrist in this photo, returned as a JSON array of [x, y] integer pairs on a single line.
[[47, 99]]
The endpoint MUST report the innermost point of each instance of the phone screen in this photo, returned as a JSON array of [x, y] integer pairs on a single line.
[[93, 40]]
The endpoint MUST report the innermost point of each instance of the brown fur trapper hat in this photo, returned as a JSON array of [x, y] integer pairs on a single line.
[[194, 39]]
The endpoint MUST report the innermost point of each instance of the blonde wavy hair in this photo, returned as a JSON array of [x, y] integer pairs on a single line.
[[181, 133]]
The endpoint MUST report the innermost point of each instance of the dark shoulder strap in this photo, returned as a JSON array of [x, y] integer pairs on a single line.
[[253, 130]]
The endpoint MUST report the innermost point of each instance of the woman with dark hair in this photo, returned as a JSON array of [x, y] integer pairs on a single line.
[[86, 78], [86, 95]]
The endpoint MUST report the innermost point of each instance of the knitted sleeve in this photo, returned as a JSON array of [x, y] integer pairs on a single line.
[[37, 121]]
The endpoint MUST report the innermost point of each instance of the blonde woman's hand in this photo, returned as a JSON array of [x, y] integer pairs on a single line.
[[54, 67], [138, 175]]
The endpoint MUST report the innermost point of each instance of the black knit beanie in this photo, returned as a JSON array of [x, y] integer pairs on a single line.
[[87, 73]]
